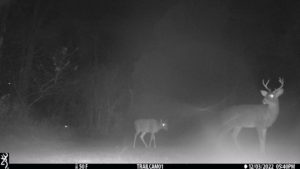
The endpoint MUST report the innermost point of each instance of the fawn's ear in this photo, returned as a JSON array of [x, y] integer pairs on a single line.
[[264, 93]]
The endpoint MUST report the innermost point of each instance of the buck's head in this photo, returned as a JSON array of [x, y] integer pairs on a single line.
[[271, 97], [164, 124]]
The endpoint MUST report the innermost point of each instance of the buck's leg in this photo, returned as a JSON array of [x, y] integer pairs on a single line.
[[262, 139], [142, 138], [222, 135], [235, 134], [136, 134]]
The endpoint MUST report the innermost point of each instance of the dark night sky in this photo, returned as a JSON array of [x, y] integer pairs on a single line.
[[190, 49], [203, 46]]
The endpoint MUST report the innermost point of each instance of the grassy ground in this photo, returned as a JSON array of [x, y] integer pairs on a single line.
[[53, 146]]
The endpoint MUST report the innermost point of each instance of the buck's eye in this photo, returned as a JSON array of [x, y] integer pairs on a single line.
[[271, 95], [163, 124]]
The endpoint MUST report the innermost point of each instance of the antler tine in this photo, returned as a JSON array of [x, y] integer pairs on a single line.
[[281, 81], [266, 84]]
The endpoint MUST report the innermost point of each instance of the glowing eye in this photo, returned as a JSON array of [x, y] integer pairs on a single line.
[[163, 124], [271, 95]]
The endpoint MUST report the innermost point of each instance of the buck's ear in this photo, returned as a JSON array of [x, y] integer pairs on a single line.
[[264, 93]]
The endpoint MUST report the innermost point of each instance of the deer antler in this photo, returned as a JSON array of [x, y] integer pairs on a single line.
[[266, 84], [281, 81]]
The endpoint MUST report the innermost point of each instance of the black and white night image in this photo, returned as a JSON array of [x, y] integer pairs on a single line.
[[150, 81]]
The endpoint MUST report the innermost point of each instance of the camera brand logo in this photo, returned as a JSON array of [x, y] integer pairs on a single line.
[[4, 161]]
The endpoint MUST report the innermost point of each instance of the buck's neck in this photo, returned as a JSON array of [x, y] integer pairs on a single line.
[[273, 108]]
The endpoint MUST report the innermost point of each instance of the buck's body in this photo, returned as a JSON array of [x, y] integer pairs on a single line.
[[260, 116], [251, 116]]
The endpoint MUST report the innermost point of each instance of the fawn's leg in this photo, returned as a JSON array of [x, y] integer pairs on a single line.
[[136, 134], [142, 138]]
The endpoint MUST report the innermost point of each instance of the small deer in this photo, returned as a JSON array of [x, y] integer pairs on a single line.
[[261, 116], [145, 126]]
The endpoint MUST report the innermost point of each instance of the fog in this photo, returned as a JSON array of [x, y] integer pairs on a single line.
[[182, 62], [192, 137]]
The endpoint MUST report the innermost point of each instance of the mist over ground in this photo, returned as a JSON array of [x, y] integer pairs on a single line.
[[191, 138], [75, 76]]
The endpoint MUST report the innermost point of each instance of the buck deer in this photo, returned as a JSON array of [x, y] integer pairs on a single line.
[[151, 126], [260, 116]]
